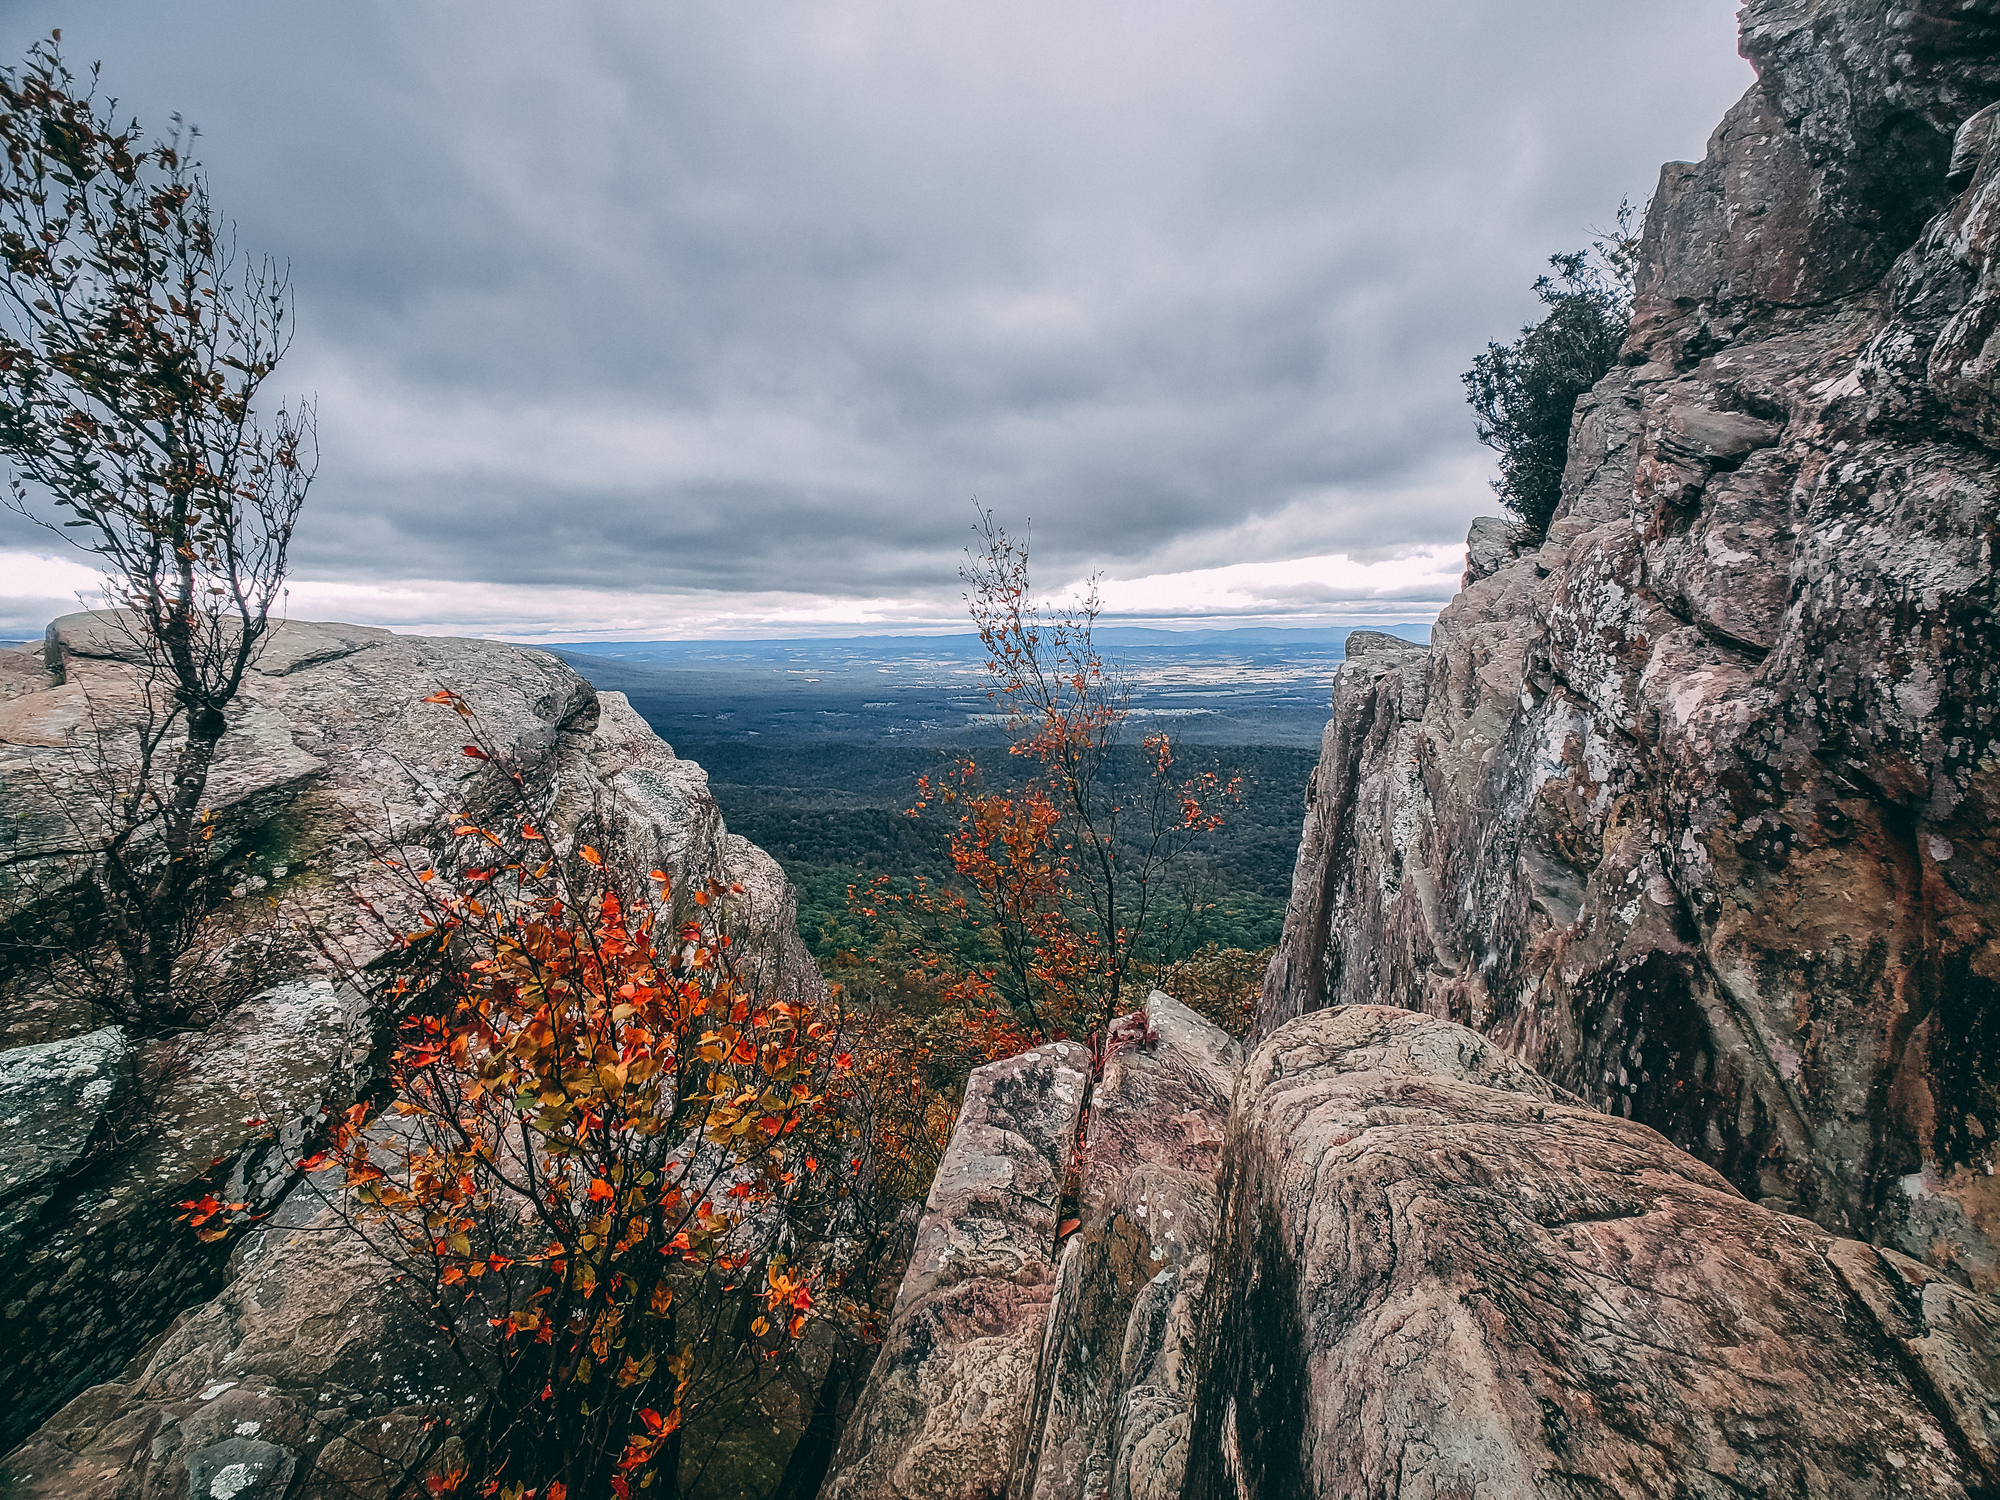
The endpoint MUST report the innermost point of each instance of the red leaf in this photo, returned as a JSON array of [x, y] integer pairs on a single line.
[[476, 753]]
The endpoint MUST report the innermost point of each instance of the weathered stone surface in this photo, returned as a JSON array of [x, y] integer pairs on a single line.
[[310, 1370], [230, 1111], [1696, 807], [1110, 1407], [1490, 545], [53, 1098], [332, 758], [945, 1412], [1438, 1274]]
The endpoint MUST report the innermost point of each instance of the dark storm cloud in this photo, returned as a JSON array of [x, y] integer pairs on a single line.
[[756, 297]]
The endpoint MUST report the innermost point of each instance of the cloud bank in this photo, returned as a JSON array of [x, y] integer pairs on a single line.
[[714, 319]]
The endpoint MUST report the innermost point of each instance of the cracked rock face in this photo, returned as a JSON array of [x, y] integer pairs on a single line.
[[1439, 1274], [52, 1100], [945, 1412], [1696, 806], [1116, 1373], [308, 1376], [1014, 1369]]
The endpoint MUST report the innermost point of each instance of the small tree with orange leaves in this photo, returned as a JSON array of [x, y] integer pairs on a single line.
[[1071, 881]]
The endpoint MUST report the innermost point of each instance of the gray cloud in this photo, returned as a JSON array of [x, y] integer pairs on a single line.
[[755, 297]]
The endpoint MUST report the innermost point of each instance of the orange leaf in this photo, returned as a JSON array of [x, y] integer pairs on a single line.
[[590, 856]]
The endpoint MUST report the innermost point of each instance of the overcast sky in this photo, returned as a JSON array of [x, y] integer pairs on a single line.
[[670, 319]]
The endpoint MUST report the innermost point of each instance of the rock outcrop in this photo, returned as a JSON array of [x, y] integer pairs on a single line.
[[1623, 1120], [1414, 1268], [945, 1409], [1439, 1274], [332, 760], [1116, 1370], [1695, 807], [1016, 1367]]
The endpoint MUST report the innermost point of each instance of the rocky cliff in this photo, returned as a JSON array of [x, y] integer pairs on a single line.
[[1621, 1116], [1694, 806], [301, 1371]]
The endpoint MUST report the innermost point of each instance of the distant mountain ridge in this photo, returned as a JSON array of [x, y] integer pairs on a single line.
[[968, 643]]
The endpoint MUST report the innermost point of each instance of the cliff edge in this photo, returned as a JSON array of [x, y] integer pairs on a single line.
[[1695, 806]]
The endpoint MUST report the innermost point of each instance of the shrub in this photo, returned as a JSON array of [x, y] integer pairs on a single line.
[[1071, 881], [1523, 394], [619, 1156]]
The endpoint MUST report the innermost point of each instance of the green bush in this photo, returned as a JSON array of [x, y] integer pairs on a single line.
[[1523, 394]]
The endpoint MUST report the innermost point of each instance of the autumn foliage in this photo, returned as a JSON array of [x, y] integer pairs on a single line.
[[615, 1156], [633, 1173], [1070, 880]]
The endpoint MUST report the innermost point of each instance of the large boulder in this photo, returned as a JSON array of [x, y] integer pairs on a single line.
[[946, 1411], [1440, 1274], [1693, 807], [332, 759]]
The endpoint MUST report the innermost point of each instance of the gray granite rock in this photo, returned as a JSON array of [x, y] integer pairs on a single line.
[[310, 1375], [1490, 545], [53, 1099]]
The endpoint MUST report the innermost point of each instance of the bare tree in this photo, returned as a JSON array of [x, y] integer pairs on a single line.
[[134, 343]]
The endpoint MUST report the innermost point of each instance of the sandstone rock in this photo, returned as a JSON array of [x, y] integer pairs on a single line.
[[1439, 1274], [1694, 807], [945, 1412], [1110, 1404]]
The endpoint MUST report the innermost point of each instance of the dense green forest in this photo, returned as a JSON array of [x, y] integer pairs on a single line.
[[834, 814]]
